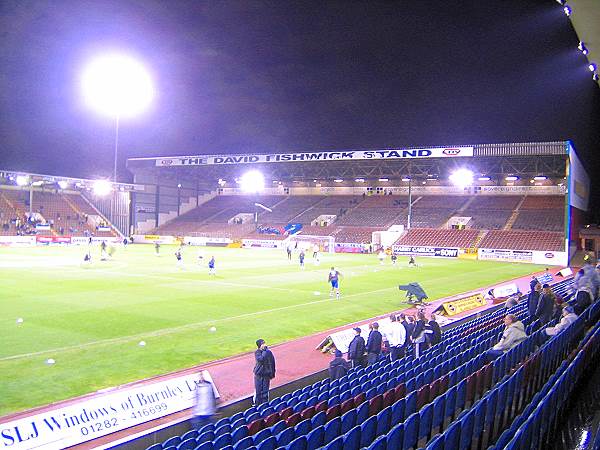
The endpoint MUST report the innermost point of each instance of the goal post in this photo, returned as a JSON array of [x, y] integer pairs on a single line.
[[307, 241]]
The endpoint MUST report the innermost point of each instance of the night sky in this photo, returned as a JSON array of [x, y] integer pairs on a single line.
[[271, 76]]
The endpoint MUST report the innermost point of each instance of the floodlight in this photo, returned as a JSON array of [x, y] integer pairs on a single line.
[[511, 178], [406, 179], [252, 181], [338, 180], [63, 184], [102, 187], [117, 86], [22, 180], [384, 179], [540, 178], [462, 178], [484, 178], [221, 182], [360, 180], [592, 67], [567, 9]]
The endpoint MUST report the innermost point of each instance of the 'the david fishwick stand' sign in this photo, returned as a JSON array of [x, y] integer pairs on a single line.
[[89, 419]]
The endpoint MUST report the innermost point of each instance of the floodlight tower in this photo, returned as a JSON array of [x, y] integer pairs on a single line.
[[117, 86]]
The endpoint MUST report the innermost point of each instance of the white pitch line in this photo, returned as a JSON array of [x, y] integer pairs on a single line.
[[166, 331]]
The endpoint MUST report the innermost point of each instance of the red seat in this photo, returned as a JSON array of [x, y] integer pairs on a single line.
[[375, 405], [422, 396], [332, 412], [470, 390], [389, 397], [293, 420], [434, 389], [322, 406], [256, 426], [308, 412], [285, 413], [272, 419], [400, 391], [347, 406], [443, 385], [359, 398]]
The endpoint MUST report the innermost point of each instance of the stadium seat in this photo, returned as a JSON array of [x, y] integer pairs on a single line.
[[255, 426], [239, 433], [222, 441], [436, 443], [297, 444], [314, 439], [352, 439], [395, 437], [378, 444], [174, 441], [268, 444], [383, 421], [332, 429], [368, 431], [411, 432], [303, 428], [261, 435], [244, 443], [285, 437], [425, 421]]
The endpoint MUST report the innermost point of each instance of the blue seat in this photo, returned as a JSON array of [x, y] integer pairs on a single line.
[[314, 439], [461, 395], [278, 427], [398, 412], [378, 444], [261, 436], [352, 439], [395, 437], [238, 423], [437, 420], [244, 443], [348, 421], [318, 419], [207, 445], [466, 420], [450, 402], [436, 443], [411, 432], [425, 421], [479, 419], [411, 404], [223, 421], [297, 444], [368, 431], [174, 441], [452, 436], [268, 444], [222, 441], [332, 429], [303, 428], [285, 437], [336, 444], [362, 412], [239, 433], [155, 447], [188, 444], [383, 421], [189, 434]]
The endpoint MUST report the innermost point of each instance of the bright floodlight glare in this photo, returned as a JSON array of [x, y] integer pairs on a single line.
[[511, 178], [117, 86], [63, 184], [484, 178], [102, 187], [252, 181], [22, 180], [462, 177]]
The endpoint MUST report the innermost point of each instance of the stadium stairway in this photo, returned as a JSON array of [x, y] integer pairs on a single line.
[[448, 398]]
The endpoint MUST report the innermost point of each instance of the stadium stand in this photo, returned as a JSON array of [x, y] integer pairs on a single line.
[[555, 202], [376, 217], [450, 397], [357, 235], [523, 240], [439, 238], [429, 218], [487, 219], [540, 219], [500, 202], [453, 202], [291, 207]]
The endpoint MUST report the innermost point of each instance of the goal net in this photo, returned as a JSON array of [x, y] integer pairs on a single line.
[[307, 242]]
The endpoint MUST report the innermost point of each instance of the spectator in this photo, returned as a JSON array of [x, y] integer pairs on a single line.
[[513, 335], [373, 343], [545, 304], [338, 367], [533, 299], [356, 349], [409, 326], [396, 336], [204, 404], [436, 332], [533, 283], [568, 317], [264, 372], [419, 334]]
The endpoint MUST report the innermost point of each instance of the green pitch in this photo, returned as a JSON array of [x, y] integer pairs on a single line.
[[91, 319]]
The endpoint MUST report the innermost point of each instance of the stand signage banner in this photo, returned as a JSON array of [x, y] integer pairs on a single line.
[[89, 419], [199, 240], [454, 307], [262, 243], [47, 240], [17, 240], [349, 155], [440, 252]]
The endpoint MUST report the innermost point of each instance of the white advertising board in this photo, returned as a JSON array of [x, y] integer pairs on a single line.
[[17, 241], [262, 243], [200, 240], [62, 427]]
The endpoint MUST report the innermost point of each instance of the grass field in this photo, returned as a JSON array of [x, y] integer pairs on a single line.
[[91, 319]]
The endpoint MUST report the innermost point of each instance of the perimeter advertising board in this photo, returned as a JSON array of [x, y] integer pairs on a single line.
[[492, 254], [62, 427], [440, 252]]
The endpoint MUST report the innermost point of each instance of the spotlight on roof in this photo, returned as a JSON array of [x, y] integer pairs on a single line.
[[360, 180], [22, 180], [63, 184], [221, 182], [484, 178], [406, 179], [462, 177], [511, 178], [102, 187], [567, 9], [338, 180], [252, 181], [540, 178], [592, 67], [384, 179]]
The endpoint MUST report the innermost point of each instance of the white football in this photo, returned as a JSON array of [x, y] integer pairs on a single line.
[[212, 329], [142, 343], [19, 320], [50, 361]]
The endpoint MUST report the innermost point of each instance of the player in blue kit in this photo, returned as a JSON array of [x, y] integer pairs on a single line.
[[334, 280], [301, 258], [211, 266]]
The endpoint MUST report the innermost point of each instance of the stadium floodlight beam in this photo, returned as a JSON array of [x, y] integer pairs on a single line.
[[102, 188], [117, 86], [462, 178], [22, 180], [252, 182], [63, 184]]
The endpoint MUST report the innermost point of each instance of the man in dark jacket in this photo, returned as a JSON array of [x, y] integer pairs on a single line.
[[435, 337], [264, 372], [373, 344], [356, 350], [533, 299], [338, 367], [545, 306]]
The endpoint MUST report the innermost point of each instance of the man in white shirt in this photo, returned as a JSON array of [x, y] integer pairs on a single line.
[[395, 334]]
